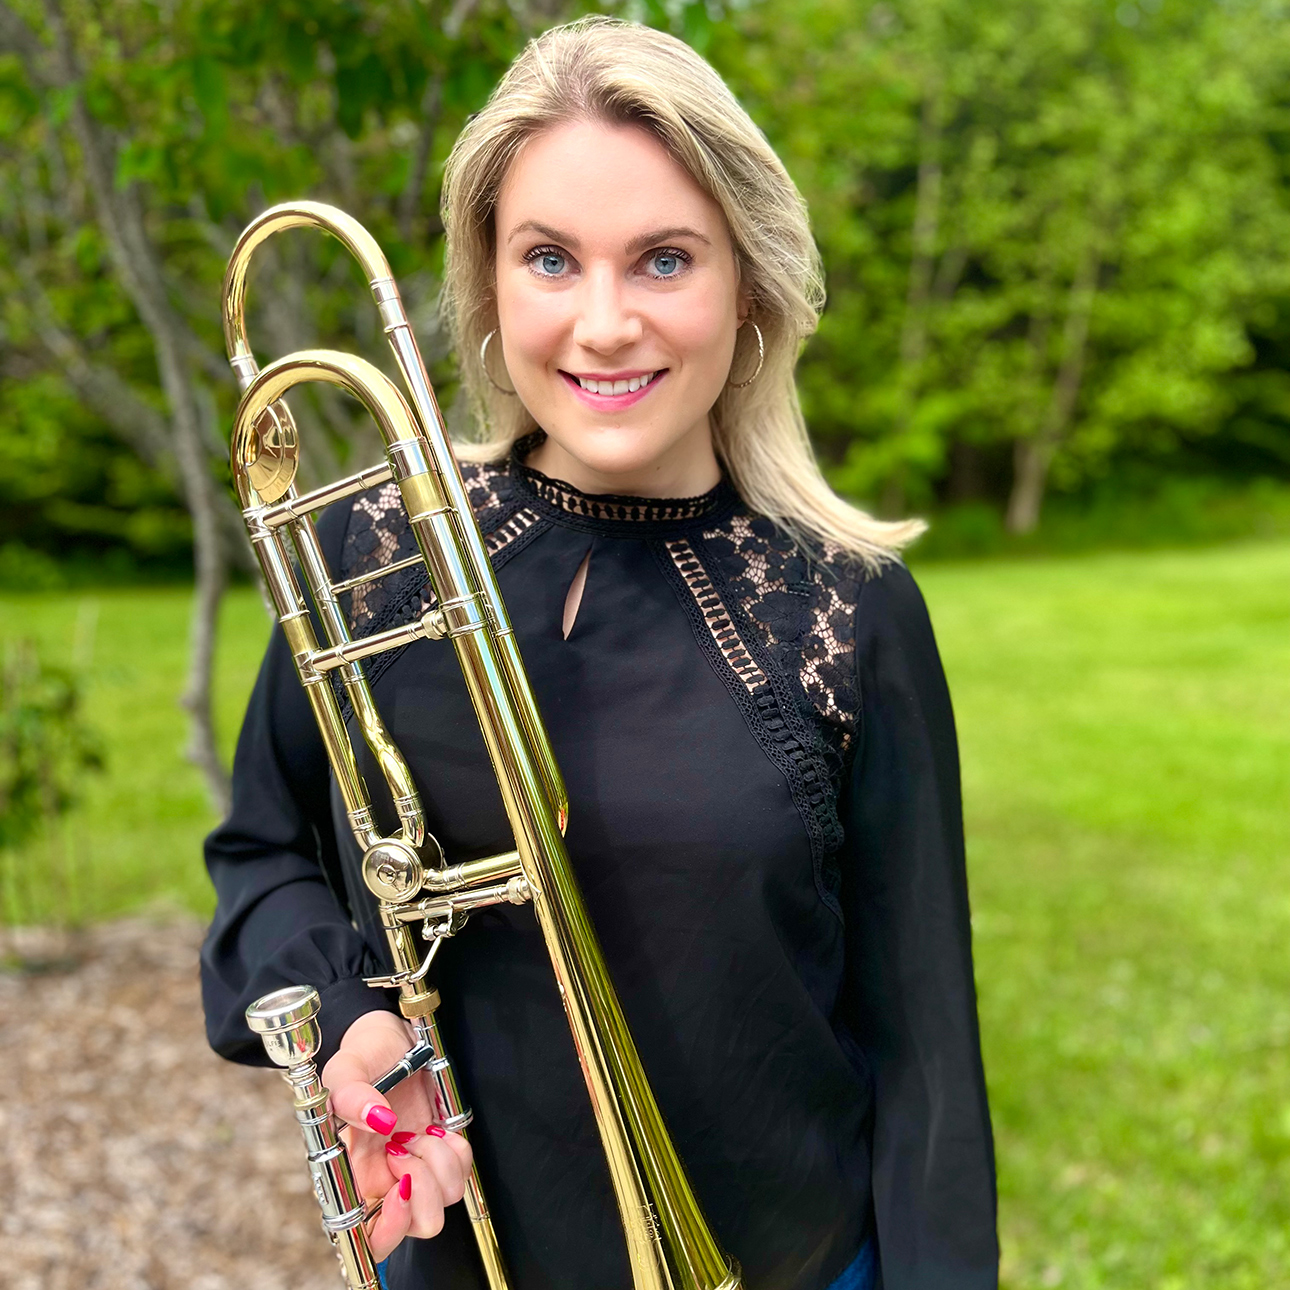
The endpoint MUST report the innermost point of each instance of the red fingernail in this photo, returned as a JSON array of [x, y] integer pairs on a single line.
[[402, 1137], [394, 1149], [405, 1187], [436, 1132], [381, 1118]]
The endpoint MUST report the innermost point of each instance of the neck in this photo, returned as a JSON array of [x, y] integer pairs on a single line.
[[688, 469]]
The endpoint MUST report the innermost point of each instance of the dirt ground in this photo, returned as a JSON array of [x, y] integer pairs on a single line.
[[136, 1159]]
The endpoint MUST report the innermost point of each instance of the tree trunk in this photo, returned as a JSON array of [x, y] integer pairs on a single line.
[[966, 481], [922, 270], [1032, 456], [120, 216], [410, 198], [431, 104], [1030, 461], [922, 260]]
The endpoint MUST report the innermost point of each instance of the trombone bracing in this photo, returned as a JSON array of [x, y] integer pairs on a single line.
[[669, 1244]]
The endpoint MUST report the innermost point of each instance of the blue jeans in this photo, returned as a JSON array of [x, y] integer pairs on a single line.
[[861, 1274]]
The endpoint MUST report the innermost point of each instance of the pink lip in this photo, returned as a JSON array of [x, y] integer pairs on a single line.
[[612, 402]]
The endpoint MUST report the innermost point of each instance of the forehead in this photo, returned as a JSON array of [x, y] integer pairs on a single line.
[[602, 183]]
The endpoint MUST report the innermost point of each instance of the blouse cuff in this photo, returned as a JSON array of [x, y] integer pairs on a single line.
[[341, 1004]]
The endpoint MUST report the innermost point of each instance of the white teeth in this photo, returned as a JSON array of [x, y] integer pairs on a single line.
[[615, 387]]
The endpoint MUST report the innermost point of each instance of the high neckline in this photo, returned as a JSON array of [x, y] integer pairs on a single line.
[[612, 512]]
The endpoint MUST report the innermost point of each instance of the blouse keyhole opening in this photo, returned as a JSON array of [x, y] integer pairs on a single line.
[[573, 600]]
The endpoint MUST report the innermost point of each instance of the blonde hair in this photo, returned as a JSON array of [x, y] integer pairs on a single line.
[[606, 69]]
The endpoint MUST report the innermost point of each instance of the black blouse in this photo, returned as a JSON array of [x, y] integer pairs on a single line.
[[765, 820]]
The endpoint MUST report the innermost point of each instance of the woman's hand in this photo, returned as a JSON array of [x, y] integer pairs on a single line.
[[397, 1149]]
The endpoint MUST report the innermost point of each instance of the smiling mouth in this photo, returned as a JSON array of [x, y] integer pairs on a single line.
[[611, 388]]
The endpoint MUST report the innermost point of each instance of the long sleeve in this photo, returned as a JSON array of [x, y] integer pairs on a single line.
[[910, 993], [277, 921]]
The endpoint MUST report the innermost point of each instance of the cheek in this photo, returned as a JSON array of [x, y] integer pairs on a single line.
[[700, 328], [533, 322]]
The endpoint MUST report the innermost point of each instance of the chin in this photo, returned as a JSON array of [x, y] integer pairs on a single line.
[[613, 450]]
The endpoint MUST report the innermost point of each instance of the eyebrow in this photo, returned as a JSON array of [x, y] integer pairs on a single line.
[[647, 240], [637, 244]]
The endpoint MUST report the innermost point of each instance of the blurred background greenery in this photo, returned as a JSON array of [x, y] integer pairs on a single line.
[[1055, 233]]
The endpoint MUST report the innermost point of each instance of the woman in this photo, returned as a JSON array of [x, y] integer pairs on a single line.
[[744, 693]]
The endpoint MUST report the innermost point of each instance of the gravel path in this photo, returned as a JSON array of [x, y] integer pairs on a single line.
[[137, 1159]]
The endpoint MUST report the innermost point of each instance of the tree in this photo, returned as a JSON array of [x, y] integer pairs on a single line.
[[135, 143], [1047, 225]]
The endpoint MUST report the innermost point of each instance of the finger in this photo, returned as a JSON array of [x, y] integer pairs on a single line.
[[395, 1219], [427, 1197], [457, 1142], [372, 1168], [461, 1145], [374, 1171], [449, 1156]]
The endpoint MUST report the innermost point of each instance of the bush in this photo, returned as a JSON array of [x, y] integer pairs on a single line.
[[1175, 511], [45, 751]]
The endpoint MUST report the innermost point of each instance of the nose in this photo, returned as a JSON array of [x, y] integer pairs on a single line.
[[605, 322]]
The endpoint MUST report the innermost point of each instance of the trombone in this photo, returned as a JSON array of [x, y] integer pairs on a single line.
[[668, 1242]]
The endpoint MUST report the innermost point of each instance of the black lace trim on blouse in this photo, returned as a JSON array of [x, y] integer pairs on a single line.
[[772, 624], [378, 535], [630, 510], [611, 513], [803, 609], [716, 618]]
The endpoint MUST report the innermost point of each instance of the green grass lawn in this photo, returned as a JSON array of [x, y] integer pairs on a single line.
[[135, 838], [1125, 722]]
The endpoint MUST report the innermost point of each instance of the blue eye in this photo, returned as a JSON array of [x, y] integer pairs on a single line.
[[552, 263], [666, 264]]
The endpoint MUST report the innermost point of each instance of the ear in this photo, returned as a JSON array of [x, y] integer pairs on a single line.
[[743, 303]]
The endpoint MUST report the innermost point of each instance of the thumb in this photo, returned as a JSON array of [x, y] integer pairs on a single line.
[[354, 1099], [371, 1045]]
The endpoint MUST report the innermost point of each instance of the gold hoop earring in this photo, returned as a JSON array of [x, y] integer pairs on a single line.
[[761, 358], [483, 362]]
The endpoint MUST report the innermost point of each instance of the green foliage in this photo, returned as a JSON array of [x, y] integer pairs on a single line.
[[1041, 219], [1133, 510], [215, 110], [45, 747], [68, 487], [1053, 229]]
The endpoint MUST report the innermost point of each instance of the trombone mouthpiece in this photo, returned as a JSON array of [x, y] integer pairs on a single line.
[[286, 1023]]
